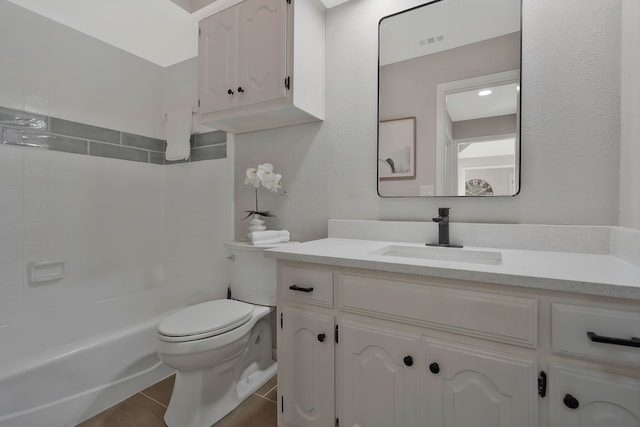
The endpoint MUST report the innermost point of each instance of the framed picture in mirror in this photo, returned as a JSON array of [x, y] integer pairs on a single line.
[[397, 149]]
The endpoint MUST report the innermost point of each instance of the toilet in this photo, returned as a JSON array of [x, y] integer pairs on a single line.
[[222, 349]]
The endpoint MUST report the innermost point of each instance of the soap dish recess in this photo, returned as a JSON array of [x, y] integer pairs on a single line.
[[46, 271]]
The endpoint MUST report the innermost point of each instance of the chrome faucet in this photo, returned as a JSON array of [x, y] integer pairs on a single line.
[[443, 229]]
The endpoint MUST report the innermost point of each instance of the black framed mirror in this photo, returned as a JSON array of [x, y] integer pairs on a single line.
[[449, 87]]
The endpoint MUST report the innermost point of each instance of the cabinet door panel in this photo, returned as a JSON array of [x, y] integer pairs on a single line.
[[217, 61], [308, 389], [377, 388], [471, 387], [262, 50], [603, 400]]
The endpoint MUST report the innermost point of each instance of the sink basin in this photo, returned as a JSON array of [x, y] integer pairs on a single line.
[[441, 254]]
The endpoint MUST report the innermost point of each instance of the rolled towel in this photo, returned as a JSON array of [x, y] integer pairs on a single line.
[[268, 237], [178, 132]]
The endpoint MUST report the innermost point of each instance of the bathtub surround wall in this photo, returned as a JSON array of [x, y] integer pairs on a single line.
[[50, 133], [570, 133], [107, 227], [123, 228], [630, 138], [53, 70]]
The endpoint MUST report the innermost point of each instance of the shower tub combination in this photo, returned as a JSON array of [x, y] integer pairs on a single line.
[[108, 354]]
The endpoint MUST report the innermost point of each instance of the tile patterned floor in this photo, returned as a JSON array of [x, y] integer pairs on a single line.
[[146, 409]]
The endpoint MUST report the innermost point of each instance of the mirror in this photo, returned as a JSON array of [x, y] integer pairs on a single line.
[[449, 99]]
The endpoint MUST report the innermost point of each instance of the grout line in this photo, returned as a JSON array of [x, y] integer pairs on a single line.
[[272, 388], [153, 400], [264, 397]]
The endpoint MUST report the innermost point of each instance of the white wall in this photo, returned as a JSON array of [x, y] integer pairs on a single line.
[[199, 219], [51, 69], [180, 84], [570, 134], [630, 137]]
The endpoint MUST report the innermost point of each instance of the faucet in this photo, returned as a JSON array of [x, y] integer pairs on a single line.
[[443, 229]]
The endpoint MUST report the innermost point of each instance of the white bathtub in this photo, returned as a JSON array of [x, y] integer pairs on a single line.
[[61, 369]]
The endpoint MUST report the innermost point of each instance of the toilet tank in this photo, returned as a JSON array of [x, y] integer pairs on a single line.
[[253, 277]]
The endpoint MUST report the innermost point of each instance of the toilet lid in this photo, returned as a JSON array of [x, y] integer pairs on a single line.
[[206, 319]]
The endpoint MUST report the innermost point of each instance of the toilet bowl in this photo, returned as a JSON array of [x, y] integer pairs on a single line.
[[222, 350]]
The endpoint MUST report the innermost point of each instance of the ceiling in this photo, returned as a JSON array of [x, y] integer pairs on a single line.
[[445, 25], [469, 105], [157, 30]]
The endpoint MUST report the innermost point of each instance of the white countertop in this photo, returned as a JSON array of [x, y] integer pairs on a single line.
[[592, 274]]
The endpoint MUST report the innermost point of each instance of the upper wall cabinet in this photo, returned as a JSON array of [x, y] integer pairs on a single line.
[[261, 65]]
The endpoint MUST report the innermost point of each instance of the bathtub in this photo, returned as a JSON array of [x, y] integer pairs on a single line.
[[106, 354]]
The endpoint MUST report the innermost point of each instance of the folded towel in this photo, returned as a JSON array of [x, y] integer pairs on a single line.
[[271, 241], [179, 124], [268, 237]]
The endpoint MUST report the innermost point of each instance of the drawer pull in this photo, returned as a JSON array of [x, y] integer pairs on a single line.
[[434, 368], [632, 342], [408, 360], [322, 337], [570, 401], [300, 288]]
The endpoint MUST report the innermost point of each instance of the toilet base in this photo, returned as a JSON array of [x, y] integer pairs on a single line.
[[202, 397]]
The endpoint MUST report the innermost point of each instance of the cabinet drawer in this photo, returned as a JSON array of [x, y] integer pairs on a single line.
[[571, 325], [307, 285], [495, 317]]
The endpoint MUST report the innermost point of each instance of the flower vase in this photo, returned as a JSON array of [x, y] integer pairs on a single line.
[[256, 224]]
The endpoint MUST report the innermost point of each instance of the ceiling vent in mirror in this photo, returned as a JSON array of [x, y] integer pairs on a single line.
[[431, 40]]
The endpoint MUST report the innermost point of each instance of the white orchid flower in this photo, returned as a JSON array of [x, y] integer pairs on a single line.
[[262, 175], [251, 177], [271, 181], [263, 170]]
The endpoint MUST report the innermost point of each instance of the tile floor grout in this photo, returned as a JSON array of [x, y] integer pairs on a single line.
[[272, 388], [265, 398], [152, 399]]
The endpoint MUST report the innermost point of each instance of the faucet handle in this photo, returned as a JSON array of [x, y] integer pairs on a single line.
[[443, 212]]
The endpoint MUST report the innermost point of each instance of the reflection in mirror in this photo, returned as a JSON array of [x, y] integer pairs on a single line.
[[449, 100]]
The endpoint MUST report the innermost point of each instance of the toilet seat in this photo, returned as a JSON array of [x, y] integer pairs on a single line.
[[205, 320]]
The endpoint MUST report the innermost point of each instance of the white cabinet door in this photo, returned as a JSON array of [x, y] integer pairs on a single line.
[[586, 398], [308, 383], [262, 51], [218, 61], [379, 377], [471, 387]]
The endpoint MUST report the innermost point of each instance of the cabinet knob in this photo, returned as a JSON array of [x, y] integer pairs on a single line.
[[434, 368], [230, 92], [240, 90], [570, 401], [321, 337], [408, 360]]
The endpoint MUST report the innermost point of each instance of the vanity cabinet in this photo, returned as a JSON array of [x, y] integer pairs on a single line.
[[378, 376], [403, 351], [470, 386], [251, 75], [307, 350], [306, 337], [590, 398]]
